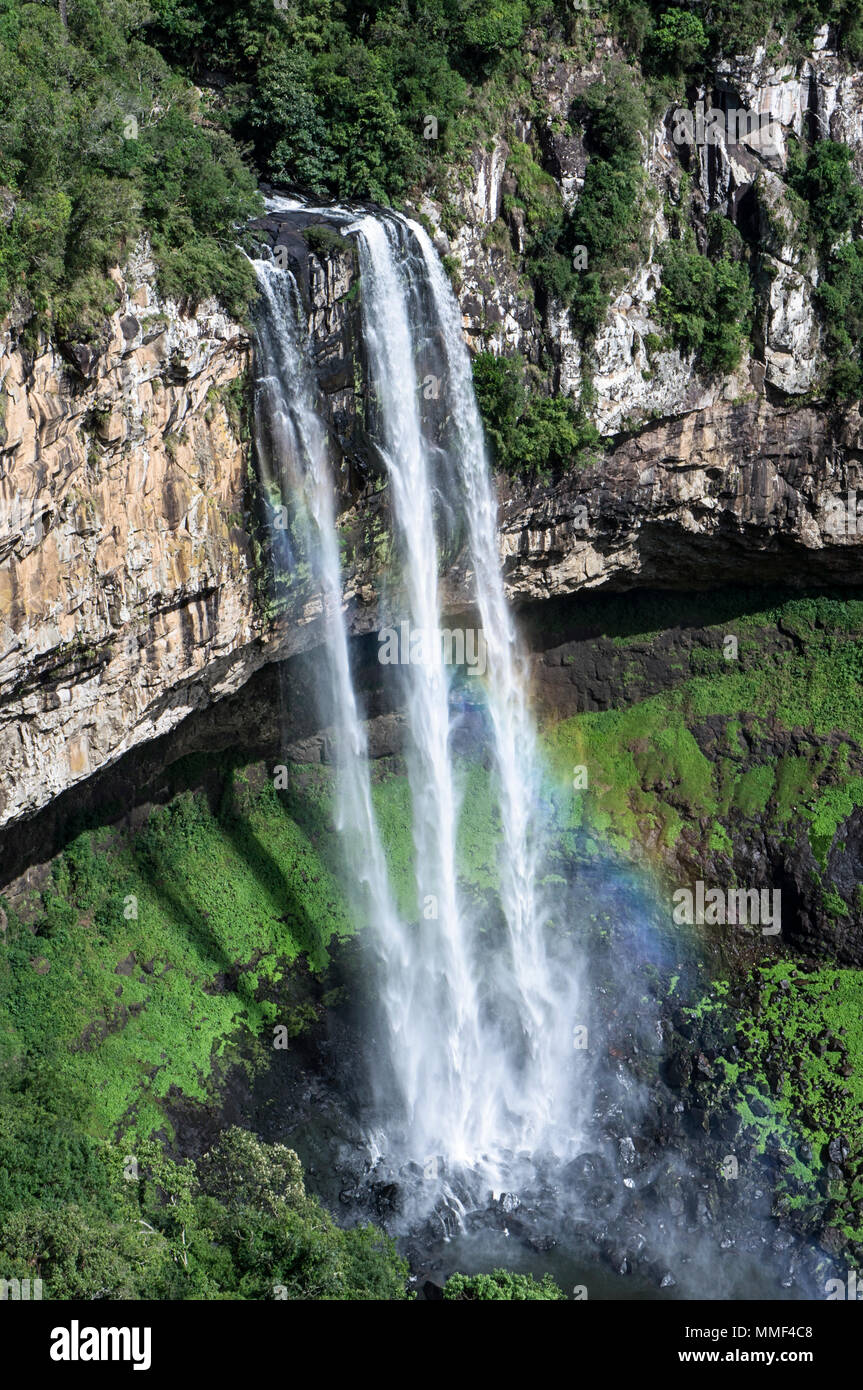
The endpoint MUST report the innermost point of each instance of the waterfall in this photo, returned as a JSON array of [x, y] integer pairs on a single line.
[[294, 453], [546, 989], [444, 1052], [477, 1016]]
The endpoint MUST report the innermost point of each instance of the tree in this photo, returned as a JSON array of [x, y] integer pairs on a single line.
[[500, 1285], [679, 42]]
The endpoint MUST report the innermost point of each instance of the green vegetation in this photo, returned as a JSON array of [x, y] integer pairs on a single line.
[[334, 97], [672, 35], [678, 43], [824, 179], [529, 434], [547, 234], [150, 962], [201, 914], [651, 780], [799, 1080], [101, 141], [157, 117], [237, 1225], [608, 217], [501, 1284], [136, 935], [325, 240], [706, 301]]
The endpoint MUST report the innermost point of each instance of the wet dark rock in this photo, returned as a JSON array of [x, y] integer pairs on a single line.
[[542, 1244], [703, 1067], [585, 1168], [832, 1240], [729, 1126], [388, 1199], [838, 1149], [619, 1259], [678, 1070]]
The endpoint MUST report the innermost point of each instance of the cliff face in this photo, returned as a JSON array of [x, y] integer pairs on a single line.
[[740, 172], [745, 493], [126, 586], [130, 581]]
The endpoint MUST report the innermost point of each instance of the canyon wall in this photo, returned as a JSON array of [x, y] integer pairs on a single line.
[[133, 582]]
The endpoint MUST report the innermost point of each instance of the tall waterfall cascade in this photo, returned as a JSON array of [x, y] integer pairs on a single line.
[[478, 1074]]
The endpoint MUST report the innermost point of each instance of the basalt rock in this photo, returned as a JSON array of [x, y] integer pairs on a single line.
[[133, 590]]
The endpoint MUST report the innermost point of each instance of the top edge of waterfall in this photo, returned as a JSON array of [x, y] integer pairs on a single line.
[[288, 203]]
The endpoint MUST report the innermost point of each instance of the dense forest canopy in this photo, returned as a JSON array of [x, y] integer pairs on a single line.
[[120, 117]]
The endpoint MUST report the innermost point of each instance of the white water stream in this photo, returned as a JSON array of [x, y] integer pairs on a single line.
[[477, 1020]]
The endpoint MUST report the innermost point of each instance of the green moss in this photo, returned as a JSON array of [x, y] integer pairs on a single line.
[[137, 936], [648, 776], [834, 905], [793, 1028], [645, 769], [833, 807], [753, 789]]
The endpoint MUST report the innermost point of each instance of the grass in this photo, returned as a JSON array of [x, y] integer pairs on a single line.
[[649, 777], [196, 897]]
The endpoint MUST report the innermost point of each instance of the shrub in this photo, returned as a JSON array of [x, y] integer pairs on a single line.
[[607, 219], [678, 43], [100, 141], [545, 223], [528, 433], [499, 1285], [823, 177], [705, 304], [490, 27]]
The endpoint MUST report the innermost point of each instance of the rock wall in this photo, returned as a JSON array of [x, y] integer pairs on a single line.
[[741, 175], [739, 493], [126, 575], [132, 588]]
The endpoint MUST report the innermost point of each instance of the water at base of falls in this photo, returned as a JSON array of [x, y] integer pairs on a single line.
[[475, 1079]]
